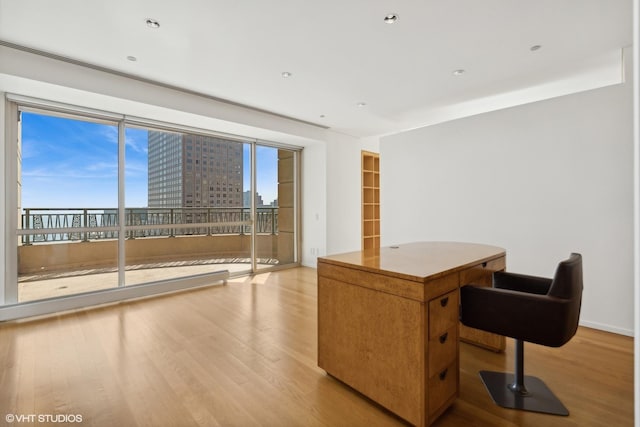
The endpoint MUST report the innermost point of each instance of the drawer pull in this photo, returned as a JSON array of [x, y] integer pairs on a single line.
[[442, 375], [443, 337], [484, 264], [444, 301]]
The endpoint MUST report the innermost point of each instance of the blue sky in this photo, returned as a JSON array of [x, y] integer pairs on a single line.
[[74, 164]]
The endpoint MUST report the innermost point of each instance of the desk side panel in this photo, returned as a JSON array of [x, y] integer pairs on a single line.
[[374, 342]]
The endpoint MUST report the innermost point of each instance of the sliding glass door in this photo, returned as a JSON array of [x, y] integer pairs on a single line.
[[105, 202], [67, 188], [184, 205]]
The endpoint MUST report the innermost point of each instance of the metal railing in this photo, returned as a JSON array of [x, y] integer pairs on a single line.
[[60, 224]]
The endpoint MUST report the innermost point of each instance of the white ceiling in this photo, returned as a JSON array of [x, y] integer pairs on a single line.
[[340, 52]]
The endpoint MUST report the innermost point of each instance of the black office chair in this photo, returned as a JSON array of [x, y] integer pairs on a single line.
[[527, 308]]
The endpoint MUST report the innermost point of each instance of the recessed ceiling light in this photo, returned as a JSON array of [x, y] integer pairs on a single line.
[[361, 104], [391, 18], [535, 47], [152, 23], [132, 58], [286, 74], [458, 72]]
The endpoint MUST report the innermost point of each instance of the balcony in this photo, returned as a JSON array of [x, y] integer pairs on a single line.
[[59, 248]]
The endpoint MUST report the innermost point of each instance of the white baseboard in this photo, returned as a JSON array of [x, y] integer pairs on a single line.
[[607, 328]]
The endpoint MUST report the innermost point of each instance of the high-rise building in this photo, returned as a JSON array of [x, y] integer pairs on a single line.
[[246, 196], [187, 170]]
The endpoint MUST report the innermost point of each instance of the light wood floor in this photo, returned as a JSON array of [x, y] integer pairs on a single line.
[[244, 354]]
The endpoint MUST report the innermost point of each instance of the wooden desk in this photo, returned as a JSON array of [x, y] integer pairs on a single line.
[[388, 321]]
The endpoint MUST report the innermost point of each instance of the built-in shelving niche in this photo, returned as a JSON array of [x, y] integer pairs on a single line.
[[370, 200]]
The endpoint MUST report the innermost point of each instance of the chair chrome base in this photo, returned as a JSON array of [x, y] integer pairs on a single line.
[[537, 398]]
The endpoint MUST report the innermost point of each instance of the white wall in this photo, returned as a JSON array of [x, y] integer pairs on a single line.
[[337, 164], [344, 192], [314, 203], [541, 180], [343, 195]]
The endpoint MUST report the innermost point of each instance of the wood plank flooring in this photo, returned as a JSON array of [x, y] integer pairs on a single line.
[[244, 354]]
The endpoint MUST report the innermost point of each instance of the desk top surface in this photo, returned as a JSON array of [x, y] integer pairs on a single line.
[[419, 260]]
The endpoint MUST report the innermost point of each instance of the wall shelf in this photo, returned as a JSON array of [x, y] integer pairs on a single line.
[[370, 200]]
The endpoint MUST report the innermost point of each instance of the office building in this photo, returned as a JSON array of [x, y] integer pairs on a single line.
[[187, 170]]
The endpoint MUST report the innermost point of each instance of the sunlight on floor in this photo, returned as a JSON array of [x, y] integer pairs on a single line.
[[57, 287], [260, 278]]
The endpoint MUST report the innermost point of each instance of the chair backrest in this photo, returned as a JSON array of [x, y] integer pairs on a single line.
[[567, 284]]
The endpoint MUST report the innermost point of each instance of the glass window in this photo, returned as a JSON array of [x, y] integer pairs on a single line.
[[67, 200], [78, 234], [178, 248]]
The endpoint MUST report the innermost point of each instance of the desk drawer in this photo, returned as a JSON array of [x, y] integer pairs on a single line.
[[443, 350], [443, 313], [481, 274], [442, 386]]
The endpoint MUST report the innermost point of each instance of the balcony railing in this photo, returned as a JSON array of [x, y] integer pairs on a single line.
[[97, 224]]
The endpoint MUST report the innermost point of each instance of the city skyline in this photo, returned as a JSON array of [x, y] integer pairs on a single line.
[[73, 163]]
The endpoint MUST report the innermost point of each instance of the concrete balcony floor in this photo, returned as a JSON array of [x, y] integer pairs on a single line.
[[34, 287]]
